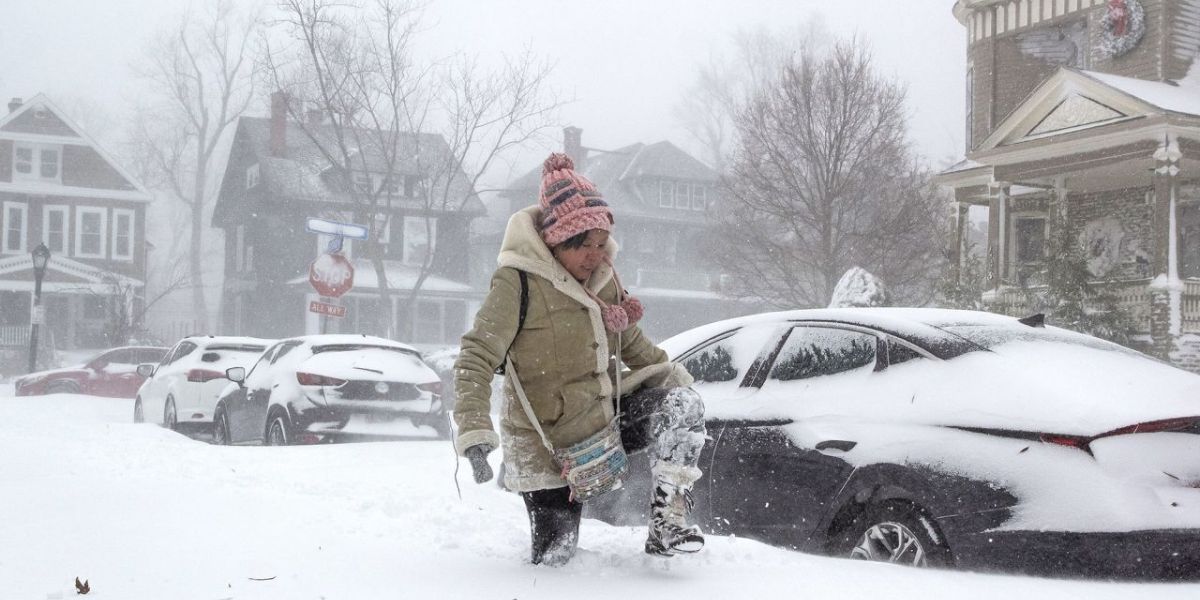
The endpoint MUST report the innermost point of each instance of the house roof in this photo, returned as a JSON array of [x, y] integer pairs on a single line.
[[68, 133], [1181, 97], [306, 174], [62, 275], [617, 174]]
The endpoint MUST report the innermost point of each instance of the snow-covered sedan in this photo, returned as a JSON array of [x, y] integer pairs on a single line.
[[110, 373], [932, 437], [322, 388], [181, 391]]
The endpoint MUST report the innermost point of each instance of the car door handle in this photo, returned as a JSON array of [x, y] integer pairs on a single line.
[[843, 445]]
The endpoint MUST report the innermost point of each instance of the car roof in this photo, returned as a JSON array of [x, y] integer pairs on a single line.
[[925, 327]]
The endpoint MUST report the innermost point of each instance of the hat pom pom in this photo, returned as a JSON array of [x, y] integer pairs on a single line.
[[557, 162], [634, 309], [615, 318]]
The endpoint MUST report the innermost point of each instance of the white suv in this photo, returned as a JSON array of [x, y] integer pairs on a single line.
[[181, 391]]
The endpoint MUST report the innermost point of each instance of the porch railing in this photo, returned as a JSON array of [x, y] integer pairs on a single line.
[[14, 335], [1133, 296]]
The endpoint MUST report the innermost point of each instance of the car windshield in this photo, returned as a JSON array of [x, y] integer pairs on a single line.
[[989, 337]]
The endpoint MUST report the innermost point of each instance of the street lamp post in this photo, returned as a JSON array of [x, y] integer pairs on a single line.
[[41, 255]]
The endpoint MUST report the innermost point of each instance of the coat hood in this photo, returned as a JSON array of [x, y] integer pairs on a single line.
[[524, 249]]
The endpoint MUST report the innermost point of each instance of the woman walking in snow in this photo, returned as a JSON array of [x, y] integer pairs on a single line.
[[557, 312]]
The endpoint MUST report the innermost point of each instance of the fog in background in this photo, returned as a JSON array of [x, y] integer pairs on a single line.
[[626, 63]]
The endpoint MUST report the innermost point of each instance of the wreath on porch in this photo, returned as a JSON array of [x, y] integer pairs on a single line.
[[1122, 27]]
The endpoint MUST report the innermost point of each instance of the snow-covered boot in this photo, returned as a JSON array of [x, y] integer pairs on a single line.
[[669, 532], [553, 526]]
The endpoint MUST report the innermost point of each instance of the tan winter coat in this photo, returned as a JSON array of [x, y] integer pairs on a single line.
[[561, 356]]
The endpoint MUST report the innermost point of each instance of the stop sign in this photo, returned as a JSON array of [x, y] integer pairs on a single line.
[[331, 275]]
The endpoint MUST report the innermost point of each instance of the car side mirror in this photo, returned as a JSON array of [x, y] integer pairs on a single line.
[[236, 374], [145, 370]]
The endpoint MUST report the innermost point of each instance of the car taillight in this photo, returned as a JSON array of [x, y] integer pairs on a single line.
[[433, 387], [311, 379], [1156, 426], [1073, 441], [202, 375]]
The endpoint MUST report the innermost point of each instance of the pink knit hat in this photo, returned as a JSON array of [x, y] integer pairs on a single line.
[[570, 203]]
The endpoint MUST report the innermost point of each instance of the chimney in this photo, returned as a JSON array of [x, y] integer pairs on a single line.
[[279, 110], [573, 146], [14, 104]]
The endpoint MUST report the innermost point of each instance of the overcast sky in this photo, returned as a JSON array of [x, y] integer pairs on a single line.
[[627, 62]]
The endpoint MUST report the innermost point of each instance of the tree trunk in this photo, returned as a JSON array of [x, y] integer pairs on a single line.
[[195, 260]]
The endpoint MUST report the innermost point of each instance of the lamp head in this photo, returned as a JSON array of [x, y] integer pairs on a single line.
[[41, 255]]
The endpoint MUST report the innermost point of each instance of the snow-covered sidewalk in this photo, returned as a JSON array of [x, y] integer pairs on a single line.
[[144, 513]]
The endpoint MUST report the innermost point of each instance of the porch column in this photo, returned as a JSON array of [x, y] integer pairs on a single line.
[[997, 209], [1056, 213], [959, 216], [1166, 291]]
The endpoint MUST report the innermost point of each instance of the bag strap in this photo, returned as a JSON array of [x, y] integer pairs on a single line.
[[537, 426], [524, 310]]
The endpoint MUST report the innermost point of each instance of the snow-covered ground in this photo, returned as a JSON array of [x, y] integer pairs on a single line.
[[143, 513]]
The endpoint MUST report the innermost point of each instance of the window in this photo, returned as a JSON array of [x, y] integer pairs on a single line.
[[15, 227], [122, 234], [252, 174], [89, 232], [23, 161], [699, 197], [49, 167], [54, 228], [900, 353], [388, 186], [819, 351], [683, 196], [726, 359], [36, 162], [429, 322], [383, 229], [411, 183], [1031, 239], [418, 240], [362, 182], [666, 194]]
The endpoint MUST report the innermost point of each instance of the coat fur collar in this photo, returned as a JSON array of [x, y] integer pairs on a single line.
[[524, 249]]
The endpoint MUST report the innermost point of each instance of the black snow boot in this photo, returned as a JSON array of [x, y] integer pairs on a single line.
[[669, 532], [553, 525]]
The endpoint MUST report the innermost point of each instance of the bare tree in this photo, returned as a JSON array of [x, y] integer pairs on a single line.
[[723, 84], [200, 74], [400, 135], [823, 179]]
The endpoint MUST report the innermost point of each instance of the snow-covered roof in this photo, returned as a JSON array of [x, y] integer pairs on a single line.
[[616, 173], [1183, 97], [304, 173], [399, 277]]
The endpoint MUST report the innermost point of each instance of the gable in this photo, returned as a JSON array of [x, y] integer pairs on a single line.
[[37, 118], [1076, 111], [1068, 101]]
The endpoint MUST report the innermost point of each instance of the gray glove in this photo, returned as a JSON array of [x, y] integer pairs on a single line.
[[477, 454]]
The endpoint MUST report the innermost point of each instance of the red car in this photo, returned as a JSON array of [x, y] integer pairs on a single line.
[[111, 373]]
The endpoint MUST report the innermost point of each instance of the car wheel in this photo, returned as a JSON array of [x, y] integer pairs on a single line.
[[138, 416], [278, 432], [896, 532], [62, 386], [221, 429], [170, 418]]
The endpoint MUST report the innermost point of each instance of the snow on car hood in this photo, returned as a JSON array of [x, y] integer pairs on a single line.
[[370, 364], [1028, 386]]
